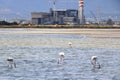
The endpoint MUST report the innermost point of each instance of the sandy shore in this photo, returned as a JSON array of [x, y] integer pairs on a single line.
[[89, 32]]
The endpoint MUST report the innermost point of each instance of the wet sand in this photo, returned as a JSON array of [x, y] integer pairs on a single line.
[[115, 33]]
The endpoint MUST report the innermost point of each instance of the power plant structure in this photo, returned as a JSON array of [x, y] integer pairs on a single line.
[[60, 16], [81, 17]]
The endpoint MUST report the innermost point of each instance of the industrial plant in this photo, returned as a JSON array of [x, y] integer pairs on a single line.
[[60, 16]]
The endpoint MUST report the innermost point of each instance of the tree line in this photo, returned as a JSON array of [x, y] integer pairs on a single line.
[[8, 23]]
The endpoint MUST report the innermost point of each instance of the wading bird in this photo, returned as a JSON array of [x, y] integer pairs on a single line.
[[61, 54], [11, 62], [70, 44], [95, 63]]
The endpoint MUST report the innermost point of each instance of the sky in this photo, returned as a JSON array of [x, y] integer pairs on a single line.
[[12, 9]]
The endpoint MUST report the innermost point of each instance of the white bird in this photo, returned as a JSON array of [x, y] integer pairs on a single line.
[[93, 57], [70, 44], [11, 62], [61, 54], [94, 62]]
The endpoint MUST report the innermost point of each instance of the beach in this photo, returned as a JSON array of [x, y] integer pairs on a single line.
[[89, 32]]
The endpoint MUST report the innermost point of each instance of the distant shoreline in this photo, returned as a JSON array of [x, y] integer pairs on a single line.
[[63, 26], [103, 33]]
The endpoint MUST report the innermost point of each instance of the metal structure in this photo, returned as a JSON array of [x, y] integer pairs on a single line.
[[54, 12], [95, 18]]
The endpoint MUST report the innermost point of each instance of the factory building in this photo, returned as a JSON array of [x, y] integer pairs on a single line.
[[72, 17], [40, 18], [59, 16]]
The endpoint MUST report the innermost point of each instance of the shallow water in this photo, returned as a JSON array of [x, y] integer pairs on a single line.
[[36, 56]]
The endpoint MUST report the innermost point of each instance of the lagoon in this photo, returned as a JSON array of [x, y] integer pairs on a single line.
[[35, 52]]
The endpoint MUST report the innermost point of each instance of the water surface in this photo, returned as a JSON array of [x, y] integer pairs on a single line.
[[36, 56]]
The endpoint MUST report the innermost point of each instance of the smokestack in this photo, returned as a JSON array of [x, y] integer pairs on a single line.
[[81, 17]]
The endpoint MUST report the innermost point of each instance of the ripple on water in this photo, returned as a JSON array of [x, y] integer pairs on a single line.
[[36, 56]]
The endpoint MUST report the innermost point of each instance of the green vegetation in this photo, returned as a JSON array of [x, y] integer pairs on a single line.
[[7, 23]]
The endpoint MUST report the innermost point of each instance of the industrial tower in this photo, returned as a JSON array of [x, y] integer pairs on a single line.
[[81, 17]]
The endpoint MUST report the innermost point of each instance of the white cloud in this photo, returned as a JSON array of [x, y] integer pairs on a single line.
[[5, 11], [8, 11]]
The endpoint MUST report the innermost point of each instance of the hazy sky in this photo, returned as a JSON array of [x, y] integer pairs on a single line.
[[23, 8]]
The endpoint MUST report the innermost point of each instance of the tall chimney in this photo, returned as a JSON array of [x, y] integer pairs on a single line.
[[81, 17]]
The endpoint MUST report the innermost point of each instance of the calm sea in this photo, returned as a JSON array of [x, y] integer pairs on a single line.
[[36, 56]]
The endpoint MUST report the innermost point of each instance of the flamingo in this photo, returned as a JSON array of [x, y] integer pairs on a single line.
[[70, 44], [94, 62], [61, 54], [11, 62]]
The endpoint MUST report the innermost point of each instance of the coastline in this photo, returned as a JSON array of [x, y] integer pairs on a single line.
[[91, 26], [111, 33]]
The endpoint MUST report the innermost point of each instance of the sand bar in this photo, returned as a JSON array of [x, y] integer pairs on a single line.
[[89, 32]]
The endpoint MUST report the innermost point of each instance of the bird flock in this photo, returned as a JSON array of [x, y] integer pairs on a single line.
[[94, 62]]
